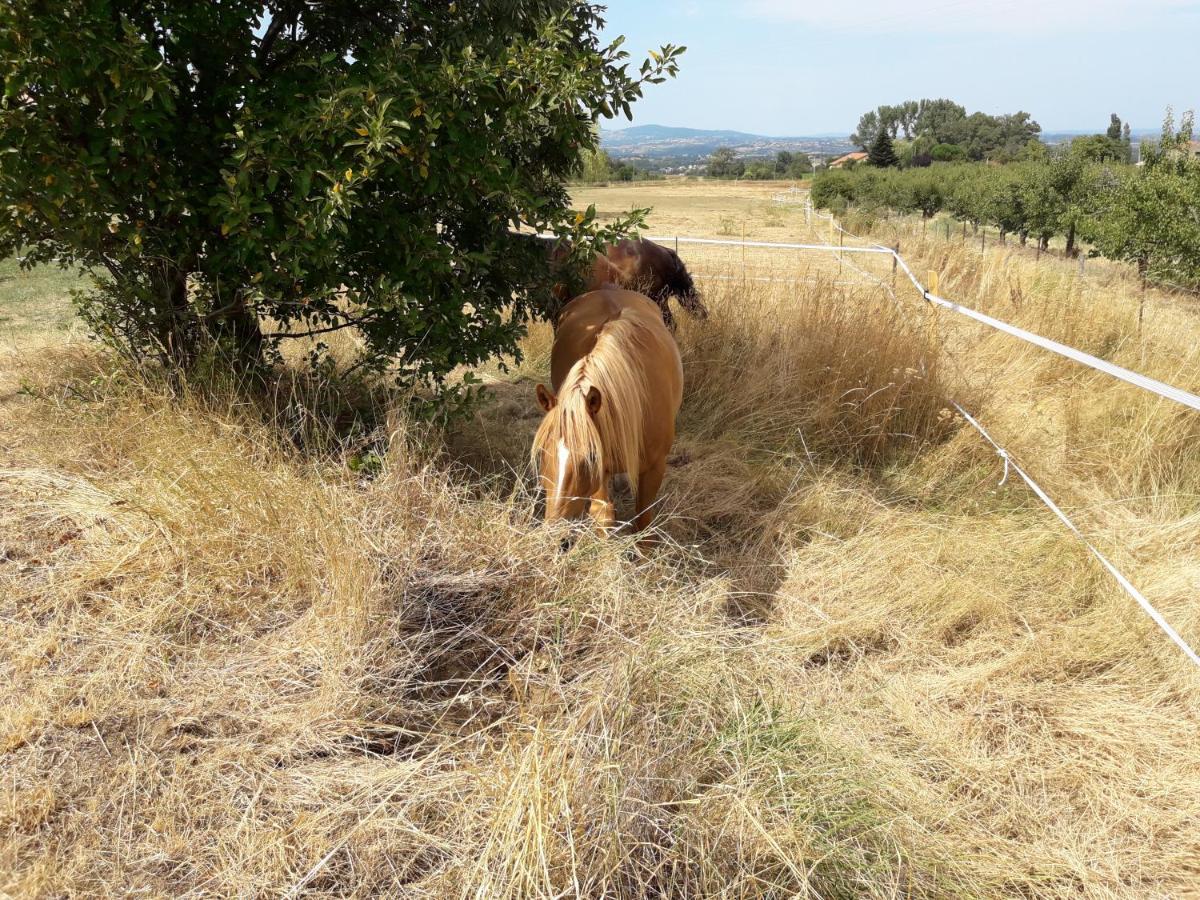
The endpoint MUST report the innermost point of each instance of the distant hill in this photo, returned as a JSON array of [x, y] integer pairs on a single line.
[[661, 141]]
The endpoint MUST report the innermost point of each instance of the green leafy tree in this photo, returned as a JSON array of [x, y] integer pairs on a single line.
[[1114, 128], [792, 164], [595, 165], [760, 170], [316, 166], [947, 153], [1147, 215], [724, 163], [937, 119], [868, 129], [882, 154]]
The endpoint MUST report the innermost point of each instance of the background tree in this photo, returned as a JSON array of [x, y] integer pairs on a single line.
[[936, 118], [723, 163], [595, 165], [1114, 128], [882, 154], [907, 113], [868, 128], [792, 165], [343, 165]]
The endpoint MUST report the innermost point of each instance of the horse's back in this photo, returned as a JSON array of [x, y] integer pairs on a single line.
[[584, 320]]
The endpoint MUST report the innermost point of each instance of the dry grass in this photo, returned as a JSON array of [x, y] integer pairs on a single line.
[[231, 665]]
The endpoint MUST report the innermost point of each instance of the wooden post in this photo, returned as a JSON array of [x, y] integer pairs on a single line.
[[841, 243], [894, 258], [1082, 259], [1142, 305]]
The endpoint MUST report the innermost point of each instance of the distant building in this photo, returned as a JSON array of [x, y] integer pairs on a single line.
[[1190, 150], [843, 161]]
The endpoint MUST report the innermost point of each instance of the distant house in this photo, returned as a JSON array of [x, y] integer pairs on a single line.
[[843, 161], [1190, 150]]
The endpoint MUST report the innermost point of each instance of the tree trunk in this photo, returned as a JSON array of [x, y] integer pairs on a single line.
[[1071, 251], [173, 319], [1024, 238], [236, 332]]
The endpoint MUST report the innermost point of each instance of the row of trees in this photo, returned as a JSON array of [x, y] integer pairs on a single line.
[[351, 164], [941, 130], [597, 166], [725, 163], [1142, 214]]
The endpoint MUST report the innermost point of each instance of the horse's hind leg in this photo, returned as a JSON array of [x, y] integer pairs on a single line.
[[649, 481]]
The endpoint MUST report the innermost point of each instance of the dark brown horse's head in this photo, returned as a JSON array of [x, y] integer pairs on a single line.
[[679, 282]]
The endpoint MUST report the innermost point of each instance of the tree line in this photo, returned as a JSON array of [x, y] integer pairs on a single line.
[[940, 130], [597, 166], [725, 163], [1144, 214]]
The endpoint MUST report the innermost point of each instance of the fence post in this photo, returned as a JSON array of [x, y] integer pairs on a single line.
[[1082, 259], [1142, 305], [894, 258]]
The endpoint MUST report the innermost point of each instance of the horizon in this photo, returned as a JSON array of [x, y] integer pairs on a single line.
[[764, 67], [627, 126]]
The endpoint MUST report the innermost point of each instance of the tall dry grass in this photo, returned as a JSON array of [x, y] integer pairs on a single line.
[[235, 663]]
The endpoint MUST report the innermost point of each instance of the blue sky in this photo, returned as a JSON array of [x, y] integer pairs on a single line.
[[795, 68]]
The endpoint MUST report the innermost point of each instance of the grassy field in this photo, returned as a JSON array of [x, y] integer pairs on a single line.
[[254, 648]]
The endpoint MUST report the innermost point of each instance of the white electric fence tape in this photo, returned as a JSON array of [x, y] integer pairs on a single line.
[[1145, 382], [1167, 391], [1132, 591]]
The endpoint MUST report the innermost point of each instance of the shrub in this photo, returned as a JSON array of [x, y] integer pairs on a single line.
[[319, 166]]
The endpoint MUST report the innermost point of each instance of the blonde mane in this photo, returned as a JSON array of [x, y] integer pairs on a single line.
[[610, 443]]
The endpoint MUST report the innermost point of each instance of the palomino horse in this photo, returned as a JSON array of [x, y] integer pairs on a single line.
[[617, 382], [638, 265]]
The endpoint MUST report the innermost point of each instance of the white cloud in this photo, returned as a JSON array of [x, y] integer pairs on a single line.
[[1024, 17]]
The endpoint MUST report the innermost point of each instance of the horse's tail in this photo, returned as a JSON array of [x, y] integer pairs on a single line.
[[680, 283]]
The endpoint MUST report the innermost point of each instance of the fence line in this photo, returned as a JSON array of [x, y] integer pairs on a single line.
[[1125, 583], [1143, 381]]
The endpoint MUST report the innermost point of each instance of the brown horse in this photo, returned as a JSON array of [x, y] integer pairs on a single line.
[[640, 265], [617, 382]]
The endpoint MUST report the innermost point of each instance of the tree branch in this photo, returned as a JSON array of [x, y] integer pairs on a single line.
[[287, 17]]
